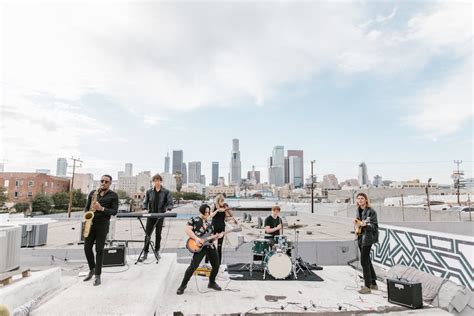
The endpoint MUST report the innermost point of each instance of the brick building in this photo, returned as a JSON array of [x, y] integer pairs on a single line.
[[23, 186]]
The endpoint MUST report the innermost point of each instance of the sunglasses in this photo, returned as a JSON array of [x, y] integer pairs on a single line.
[[104, 181]]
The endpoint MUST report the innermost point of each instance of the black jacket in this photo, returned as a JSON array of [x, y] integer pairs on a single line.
[[164, 202], [370, 233], [110, 203]]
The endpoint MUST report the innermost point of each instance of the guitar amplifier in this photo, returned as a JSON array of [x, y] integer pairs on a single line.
[[114, 256], [405, 293]]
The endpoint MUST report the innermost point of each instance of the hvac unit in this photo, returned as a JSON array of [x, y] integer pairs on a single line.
[[34, 234], [10, 242]]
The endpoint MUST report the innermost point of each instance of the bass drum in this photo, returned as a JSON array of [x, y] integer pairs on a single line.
[[279, 265]]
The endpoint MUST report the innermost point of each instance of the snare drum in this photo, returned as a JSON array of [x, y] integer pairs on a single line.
[[260, 247], [278, 264]]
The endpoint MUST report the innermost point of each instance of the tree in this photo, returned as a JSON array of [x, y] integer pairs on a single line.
[[79, 199], [179, 181], [3, 196], [60, 200], [122, 195], [142, 189], [42, 203], [22, 207]]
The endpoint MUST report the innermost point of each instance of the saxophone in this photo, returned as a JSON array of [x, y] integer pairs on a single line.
[[89, 215]]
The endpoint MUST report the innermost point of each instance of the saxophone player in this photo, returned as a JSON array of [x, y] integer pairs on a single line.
[[103, 202]]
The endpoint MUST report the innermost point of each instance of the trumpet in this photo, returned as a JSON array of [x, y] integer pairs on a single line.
[[89, 215]]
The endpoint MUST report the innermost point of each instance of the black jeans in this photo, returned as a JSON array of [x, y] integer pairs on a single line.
[[98, 234], [220, 242], [367, 268], [150, 222], [211, 253]]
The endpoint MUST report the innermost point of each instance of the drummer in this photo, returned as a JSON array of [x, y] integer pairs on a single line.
[[273, 225]]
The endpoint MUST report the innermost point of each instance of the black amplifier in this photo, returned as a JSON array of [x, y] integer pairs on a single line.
[[114, 256], [405, 293]]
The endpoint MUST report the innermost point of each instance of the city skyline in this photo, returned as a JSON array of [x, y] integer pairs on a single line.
[[388, 84]]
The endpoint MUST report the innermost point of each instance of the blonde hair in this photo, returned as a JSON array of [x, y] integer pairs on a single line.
[[218, 198]]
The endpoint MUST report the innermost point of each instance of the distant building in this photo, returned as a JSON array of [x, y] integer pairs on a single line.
[[128, 170], [229, 191], [45, 171], [363, 175], [127, 184], [253, 176], [194, 188], [203, 179], [194, 174], [330, 182], [177, 161], [287, 170], [467, 183], [296, 171], [277, 166], [169, 182], [416, 183], [298, 168], [350, 183], [221, 181], [84, 182], [184, 172], [167, 163], [120, 174], [143, 181], [215, 173], [377, 181], [235, 164], [2, 167], [61, 167], [23, 186]]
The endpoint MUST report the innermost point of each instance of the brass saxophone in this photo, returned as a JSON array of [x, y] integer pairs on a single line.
[[89, 215]]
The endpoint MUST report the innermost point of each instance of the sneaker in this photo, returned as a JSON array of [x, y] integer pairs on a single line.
[[214, 286], [374, 287], [365, 290], [181, 290]]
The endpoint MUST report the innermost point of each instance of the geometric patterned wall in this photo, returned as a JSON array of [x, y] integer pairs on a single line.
[[445, 255]]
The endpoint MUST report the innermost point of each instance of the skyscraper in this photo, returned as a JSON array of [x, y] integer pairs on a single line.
[[296, 171], [167, 163], [253, 176], [277, 166], [177, 161], [194, 172], [129, 170], [377, 181], [184, 173], [2, 167], [61, 167], [363, 175], [235, 164], [203, 179], [297, 153], [215, 172], [287, 170]]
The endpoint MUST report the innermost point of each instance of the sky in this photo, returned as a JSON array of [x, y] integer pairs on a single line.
[[384, 82]]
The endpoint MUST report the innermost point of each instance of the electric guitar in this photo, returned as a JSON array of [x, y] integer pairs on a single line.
[[194, 247]]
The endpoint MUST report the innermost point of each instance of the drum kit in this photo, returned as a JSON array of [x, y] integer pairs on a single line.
[[278, 256]]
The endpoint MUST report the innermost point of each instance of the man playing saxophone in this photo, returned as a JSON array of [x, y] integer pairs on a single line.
[[103, 203]]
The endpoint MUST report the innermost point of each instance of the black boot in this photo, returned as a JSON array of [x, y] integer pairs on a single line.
[[97, 280], [181, 289], [89, 276], [144, 257], [214, 286]]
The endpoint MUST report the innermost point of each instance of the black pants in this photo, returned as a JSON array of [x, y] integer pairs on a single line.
[[150, 222], [211, 253], [220, 242], [367, 268], [98, 234]]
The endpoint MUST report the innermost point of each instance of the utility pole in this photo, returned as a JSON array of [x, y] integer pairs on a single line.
[[457, 177], [72, 184], [428, 198], [403, 204], [312, 186]]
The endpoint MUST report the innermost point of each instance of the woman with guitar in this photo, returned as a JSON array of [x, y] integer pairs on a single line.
[[367, 231], [201, 233]]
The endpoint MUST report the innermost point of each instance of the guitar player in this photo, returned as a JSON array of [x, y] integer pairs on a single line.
[[196, 228]]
